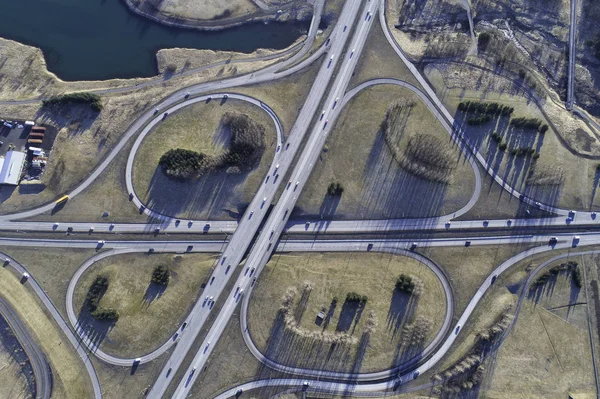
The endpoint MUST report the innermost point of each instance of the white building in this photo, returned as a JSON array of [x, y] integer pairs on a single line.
[[10, 167]]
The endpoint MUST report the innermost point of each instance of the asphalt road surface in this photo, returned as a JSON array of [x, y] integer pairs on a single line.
[[41, 368]]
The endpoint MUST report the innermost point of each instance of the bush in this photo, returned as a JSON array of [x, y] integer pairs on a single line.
[[245, 152], [497, 137], [354, 297], [528, 123], [92, 299], [543, 129], [182, 164], [486, 108], [161, 275], [91, 99], [171, 68], [335, 189], [405, 284], [576, 276], [483, 39], [502, 146]]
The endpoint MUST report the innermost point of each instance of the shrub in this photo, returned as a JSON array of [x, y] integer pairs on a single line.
[[487, 108], [182, 164], [91, 99], [171, 68], [161, 275], [496, 137], [543, 129], [354, 297], [92, 299], [245, 152], [483, 39], [527, 123], [576, 276], [335, 189], [405, 283], [502, 146], [522, 74]]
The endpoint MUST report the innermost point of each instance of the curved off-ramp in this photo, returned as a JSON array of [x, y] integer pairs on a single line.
[[62, 324], [444, 329], [160, 117], [41, 368]]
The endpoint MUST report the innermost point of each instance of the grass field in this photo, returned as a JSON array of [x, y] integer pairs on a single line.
[[52, 270], [357, 156], [209, 10], [217, 195], [69, 376], [335, 275], [148, 315], [572, 180], [379, 59], [81, 132]]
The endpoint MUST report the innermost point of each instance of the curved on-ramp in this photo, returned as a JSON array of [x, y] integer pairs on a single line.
[[445, 327]]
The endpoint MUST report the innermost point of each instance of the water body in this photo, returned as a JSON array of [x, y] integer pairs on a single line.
[[102, 39]]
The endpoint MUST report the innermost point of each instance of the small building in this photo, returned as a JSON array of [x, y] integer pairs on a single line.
[[29, 123], [36, 151], [321, 315], [11, 167]]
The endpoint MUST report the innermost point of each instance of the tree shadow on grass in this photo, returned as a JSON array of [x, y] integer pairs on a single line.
[[402, 309], [153, 292], [210, 197], [94, 330], [350, 310]]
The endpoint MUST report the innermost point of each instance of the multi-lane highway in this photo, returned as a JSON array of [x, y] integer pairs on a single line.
[[263, 246], [572, 55]]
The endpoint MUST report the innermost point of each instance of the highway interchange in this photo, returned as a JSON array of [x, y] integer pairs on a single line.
[[291, 167]]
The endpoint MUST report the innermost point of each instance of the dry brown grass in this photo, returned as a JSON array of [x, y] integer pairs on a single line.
[[145, 323], [198, 128], [559, 176], [81, 132], [335, 275], [69, 376], [375, 186], [206, 10]]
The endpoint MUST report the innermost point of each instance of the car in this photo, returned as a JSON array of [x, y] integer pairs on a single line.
[[322, 115], [538, 205], [183, 326], [101, 242], [211, 299], [227, 270], [345, 27], [190, 223], [367, 16], [296, 186], [241, 292], [486, 223], [415, 375], [111, 227], [457, 329], [239, 391], [553, 241], [286, 212], [189, 248], [206, 227], [1, 143], [6, 261], [494, 277], [576, 241], [157, 230], [155, 111], [224, 259], [264, 200], [369, 247], [253, 281], [92, 229], [276, 168], [252, 271], [206, 347], [187, 94], [351, 54], [278, 148], [251, 213], [289, 184], [226, 96], [467, 243], [335, 102], [447, 225], [325, 124], [165, 115], [287, 146], [271, 235], [137, 361], [55, 225], [150, 250], [306, 384], [25, 276], [169, 371], [413, 245], [205, 300], [212, 280]]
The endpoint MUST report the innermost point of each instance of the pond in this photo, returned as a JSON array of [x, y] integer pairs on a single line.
[[103, 39]]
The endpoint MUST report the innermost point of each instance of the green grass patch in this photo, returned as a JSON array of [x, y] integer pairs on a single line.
[[91, 99]]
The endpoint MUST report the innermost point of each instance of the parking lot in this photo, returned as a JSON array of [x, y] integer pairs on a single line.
[[17, 136]]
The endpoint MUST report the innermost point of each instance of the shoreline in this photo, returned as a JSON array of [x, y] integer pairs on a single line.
[[302, 13]]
